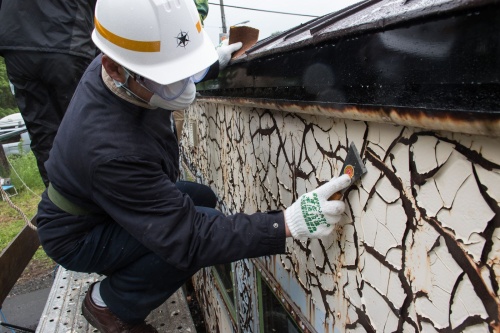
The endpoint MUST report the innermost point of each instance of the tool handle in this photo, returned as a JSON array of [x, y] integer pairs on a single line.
[[335, 196]]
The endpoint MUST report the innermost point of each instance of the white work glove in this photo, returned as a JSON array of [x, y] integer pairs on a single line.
[[225, 51], [312, 215]]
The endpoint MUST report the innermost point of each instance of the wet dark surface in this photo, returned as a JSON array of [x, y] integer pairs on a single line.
[[446, 63]]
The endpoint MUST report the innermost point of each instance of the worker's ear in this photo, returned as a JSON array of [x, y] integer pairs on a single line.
[[114, 69]]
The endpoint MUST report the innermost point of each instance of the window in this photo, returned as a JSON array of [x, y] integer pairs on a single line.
[[224, 278], [274, 317]]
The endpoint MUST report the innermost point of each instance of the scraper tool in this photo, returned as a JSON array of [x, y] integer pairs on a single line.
[[353, 166]]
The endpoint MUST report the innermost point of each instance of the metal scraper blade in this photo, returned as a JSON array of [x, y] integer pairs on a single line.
[[353, 166]]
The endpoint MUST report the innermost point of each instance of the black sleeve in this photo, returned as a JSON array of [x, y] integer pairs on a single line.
[[139, 196]]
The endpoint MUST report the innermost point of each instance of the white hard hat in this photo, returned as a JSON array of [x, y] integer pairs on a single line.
[[162, 40]]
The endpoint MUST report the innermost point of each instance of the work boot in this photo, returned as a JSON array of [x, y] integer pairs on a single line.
[[106, 322]]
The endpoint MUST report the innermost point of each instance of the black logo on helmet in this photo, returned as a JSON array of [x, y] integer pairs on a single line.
[[182, 39]]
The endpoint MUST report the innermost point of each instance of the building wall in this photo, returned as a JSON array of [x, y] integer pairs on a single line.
[[418, 248]]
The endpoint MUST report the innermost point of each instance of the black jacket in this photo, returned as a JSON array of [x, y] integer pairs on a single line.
[[121, 161], [60, 26]]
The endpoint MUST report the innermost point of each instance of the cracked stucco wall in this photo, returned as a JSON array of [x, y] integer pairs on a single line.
[[419, 246]]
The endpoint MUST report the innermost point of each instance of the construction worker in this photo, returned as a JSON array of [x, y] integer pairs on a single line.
[[47, 47], [113, 206]]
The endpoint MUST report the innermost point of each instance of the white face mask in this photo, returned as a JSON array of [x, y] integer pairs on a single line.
[[174, 96]]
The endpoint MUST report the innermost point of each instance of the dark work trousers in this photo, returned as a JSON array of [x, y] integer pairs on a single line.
[[137, 280], [44, 83]]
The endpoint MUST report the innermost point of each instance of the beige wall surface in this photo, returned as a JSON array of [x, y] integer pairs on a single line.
[[418, 248]]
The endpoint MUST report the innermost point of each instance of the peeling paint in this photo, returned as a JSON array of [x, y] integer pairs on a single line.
[[417, 250], [490, 181], [468, 202], [465, 304], [421, 150]]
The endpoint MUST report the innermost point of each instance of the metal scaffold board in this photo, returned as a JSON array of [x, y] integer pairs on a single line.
[[63, 313]]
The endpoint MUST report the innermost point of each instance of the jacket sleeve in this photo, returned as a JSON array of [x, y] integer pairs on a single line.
[[139, 196]]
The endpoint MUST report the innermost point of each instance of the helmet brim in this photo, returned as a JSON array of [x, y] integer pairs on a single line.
[[151, 65]]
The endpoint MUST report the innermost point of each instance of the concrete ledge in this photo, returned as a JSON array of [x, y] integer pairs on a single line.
[[62, 311]]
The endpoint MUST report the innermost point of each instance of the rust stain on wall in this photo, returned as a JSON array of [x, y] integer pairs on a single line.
[[419, 246], [448, 120]]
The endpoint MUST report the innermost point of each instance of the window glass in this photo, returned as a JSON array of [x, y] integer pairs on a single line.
[[275, 317], [225, 277]]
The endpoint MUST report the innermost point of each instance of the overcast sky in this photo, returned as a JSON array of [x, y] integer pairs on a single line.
[[268, 23]]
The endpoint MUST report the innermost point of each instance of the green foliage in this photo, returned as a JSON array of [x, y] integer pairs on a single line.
[[26, 170], [41, 256], [24, 173], [7, 101], [9, 231], [7, 111], [11, 222]]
